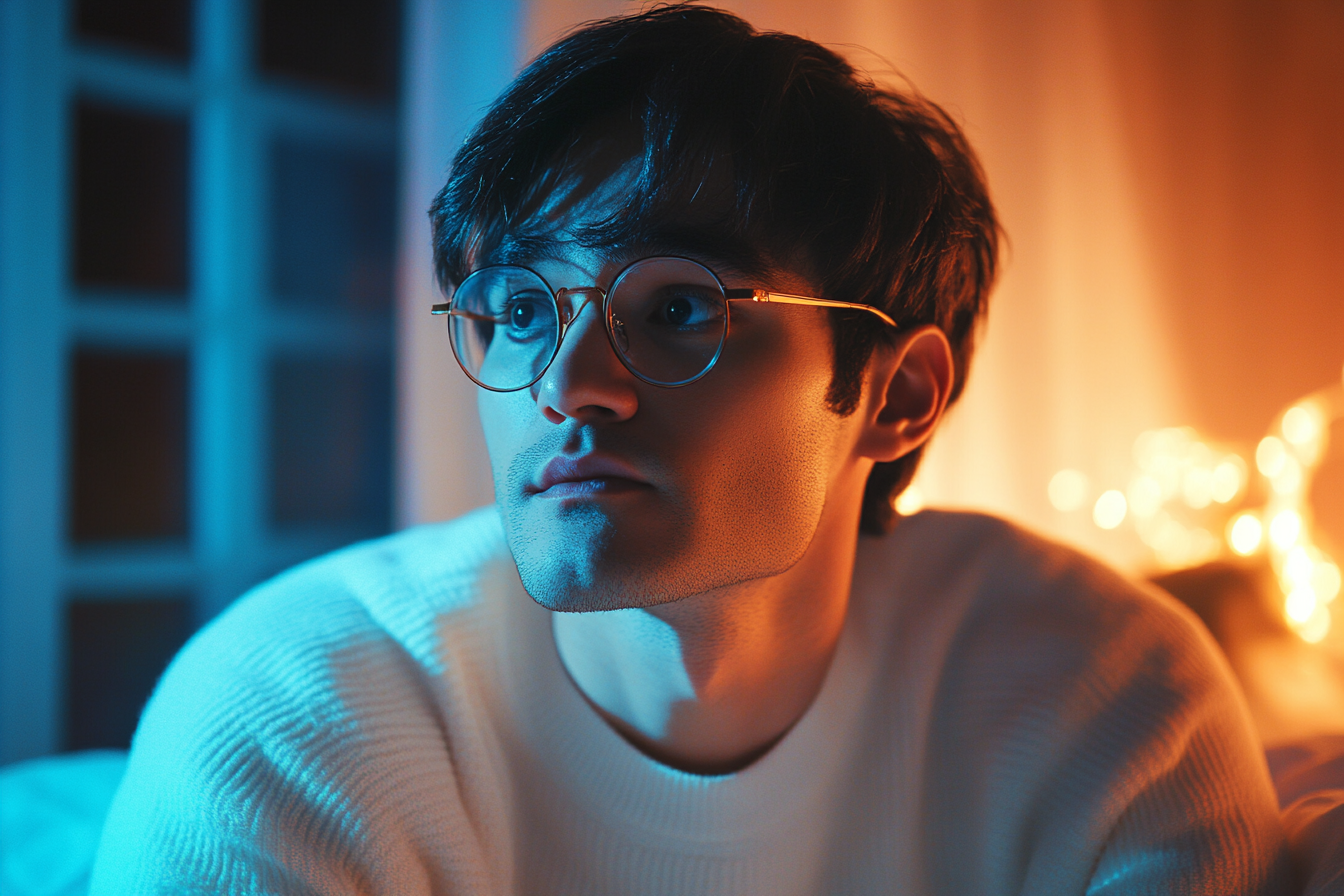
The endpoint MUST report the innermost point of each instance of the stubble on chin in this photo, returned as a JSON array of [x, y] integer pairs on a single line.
[[576, 560], [556, 558]]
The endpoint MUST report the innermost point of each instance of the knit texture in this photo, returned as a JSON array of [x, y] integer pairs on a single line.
[[1002, 716]]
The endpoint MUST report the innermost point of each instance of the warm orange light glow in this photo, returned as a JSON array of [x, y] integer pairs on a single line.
[[1203, 546], [1244, 534], [1316, 627], [1270, 456], [1068, 490], [1289, 478], [1307, 576], [1165, 455], [1145, 496], [1172, 543], [910, 502], [1109, 511], [1300, 425], [1228, 478], [1284, 529], [1197, 488], [1175, 467], [1299, 605], [1325, 580], [1297, 567], [1147, 447]]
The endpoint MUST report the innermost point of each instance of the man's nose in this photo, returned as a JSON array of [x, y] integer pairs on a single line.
[[586, 381]]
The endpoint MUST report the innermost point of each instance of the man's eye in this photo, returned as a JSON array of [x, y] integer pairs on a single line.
[[686, 309], [678, 311], [522, 313]]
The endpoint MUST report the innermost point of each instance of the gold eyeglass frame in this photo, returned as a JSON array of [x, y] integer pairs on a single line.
[[744, 294]]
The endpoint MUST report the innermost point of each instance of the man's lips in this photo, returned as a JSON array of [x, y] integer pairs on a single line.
[[586, 475]]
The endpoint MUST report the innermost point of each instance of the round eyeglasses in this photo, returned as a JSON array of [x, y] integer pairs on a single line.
[[666, 318]]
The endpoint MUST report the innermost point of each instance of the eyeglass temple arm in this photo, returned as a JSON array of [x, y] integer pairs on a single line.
[[447, 308], [765, 295]]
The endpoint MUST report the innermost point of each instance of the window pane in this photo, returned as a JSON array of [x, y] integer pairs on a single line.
[[130, 199], [347, 45], [115, 650], [128, 462], [331, 442], [333, 214], [158, 26]]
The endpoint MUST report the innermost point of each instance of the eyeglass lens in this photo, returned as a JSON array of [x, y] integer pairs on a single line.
[[667, 318]]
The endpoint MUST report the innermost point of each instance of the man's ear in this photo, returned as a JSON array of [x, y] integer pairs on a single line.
[[908, 387]]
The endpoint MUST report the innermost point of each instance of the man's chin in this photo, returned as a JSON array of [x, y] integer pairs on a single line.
[[571, 601], [565, 588], [582, 559], [568, 587]]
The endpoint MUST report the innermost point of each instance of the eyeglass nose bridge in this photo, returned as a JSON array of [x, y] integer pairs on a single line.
[[568, 312]]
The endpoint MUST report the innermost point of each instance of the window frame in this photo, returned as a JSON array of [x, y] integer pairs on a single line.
[[227, 326]]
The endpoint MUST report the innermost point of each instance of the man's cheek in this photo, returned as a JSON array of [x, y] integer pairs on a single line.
[[502, 429]]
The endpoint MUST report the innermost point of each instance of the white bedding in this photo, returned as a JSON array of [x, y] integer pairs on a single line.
[[51, 815]]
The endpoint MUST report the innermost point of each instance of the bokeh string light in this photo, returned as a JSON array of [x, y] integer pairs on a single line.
[[1184, 490], [910, 501], [1287, 458]]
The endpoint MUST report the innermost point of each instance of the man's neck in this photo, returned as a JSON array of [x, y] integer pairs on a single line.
[[709, 683]]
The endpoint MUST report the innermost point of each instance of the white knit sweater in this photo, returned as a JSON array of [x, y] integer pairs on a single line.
[[1002, 716]]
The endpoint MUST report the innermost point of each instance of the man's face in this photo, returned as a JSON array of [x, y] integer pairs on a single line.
[[615, 493]]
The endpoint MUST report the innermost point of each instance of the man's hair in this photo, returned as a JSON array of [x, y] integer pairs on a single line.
[[872, 194]]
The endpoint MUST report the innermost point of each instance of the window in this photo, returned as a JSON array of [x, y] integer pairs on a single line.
[[197, 213]]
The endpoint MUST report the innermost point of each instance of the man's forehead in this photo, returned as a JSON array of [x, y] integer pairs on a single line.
[[719, 248]]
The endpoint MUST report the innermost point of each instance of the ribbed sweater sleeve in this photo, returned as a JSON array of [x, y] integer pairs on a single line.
[[296, 746]]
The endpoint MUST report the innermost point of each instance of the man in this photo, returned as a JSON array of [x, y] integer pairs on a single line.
[[718, 291]]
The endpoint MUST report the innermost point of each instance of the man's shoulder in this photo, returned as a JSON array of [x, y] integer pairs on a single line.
[[1065, 706], [391, 583], [435, 558], [343, 640], [400, 598], [320, 700], [1015, 590]]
